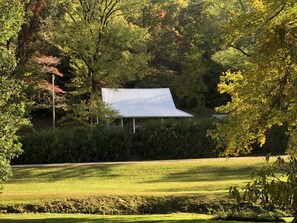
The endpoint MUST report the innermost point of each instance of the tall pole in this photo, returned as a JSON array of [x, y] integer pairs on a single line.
[[54, 107]]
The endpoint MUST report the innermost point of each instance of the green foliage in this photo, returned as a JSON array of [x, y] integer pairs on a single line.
[[88, 113], [273, 184], [170, 140], [232, 54], [177, 60], [105, 49], [11, 19], [81, 145], [250, 215], [176, 139], [12, 100], [262, 93], [12, 107]]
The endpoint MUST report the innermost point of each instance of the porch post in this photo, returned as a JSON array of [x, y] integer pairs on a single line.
[[134, 126], [122, 122]]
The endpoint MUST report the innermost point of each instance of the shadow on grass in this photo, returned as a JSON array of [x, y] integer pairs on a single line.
[[101, 220], [46, 174], [207, 174]]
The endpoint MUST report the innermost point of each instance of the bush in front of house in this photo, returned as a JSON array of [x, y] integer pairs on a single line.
[[171, 139], [75, 145], [155, 140], [177, 139], [187, 138]]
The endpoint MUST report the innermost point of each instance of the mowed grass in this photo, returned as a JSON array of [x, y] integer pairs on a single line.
[[205, 177], [82, 218]]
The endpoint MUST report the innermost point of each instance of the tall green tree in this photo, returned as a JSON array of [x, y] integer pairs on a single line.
[[12, 107], [263, 93], [176, 58], [12, 102], [11, 19], [233, 53], [105, 47], [27, 36]]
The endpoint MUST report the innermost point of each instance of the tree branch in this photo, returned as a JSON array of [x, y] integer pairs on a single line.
[[241, 4], [277, 13], [241, 50]]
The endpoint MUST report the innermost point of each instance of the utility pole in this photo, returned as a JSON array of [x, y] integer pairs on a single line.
[[54, 106]]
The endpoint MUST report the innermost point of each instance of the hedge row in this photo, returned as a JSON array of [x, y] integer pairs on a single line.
[[181, 139], [82, 145], [177, 139], [171, 139]]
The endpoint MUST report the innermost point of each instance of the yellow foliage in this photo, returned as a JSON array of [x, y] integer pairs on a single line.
[[263, 93], [259, 5]]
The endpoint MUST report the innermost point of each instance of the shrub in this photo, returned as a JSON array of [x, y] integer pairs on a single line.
[[176, 139], [170, 139], [249, 215], [82, 145]]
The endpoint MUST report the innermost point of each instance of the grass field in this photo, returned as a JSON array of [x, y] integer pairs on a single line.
[[80, 218], [205, 177]]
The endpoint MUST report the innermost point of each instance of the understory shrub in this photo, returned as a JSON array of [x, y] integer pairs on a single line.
[[177, 139], [249, 215], [79, 145]]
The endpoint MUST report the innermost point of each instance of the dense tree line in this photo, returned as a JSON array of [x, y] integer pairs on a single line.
[[112, 43]]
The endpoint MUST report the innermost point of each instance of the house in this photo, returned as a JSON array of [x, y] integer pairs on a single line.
[[142, 104], [219, 117]]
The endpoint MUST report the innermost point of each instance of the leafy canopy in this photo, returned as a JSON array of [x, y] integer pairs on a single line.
[[11, 19], [12, 107], [12, 103], [263, 93], [105, 47]]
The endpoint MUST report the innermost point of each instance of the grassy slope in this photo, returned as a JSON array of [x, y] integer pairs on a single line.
[[210, 177], [79, 218]]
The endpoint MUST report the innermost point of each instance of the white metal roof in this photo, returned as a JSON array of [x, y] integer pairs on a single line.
[[220, 117], [142, 103]]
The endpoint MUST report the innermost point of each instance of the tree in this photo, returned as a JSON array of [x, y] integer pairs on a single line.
[[45, 88], [10, 23], [12, 107], [29, 29], [105, 48], [12, 101], [263, 93], [176, 57]]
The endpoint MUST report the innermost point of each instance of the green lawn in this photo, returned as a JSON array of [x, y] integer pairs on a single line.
[[80, 218], [210, 177]]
